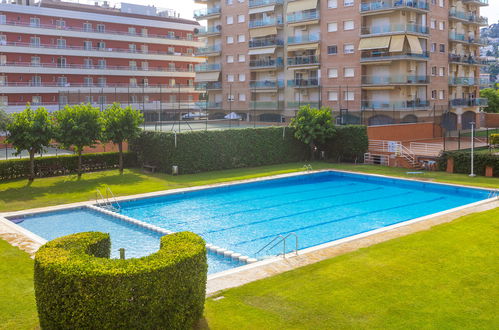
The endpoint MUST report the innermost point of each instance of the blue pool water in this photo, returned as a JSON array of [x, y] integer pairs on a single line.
[[319, 208]]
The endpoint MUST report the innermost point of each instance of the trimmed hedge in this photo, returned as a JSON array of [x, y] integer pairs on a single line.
[[77, 286], [462, 162], [235, 148], [64, 164]]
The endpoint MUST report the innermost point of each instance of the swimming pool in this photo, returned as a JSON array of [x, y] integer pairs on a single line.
[[318, 208]]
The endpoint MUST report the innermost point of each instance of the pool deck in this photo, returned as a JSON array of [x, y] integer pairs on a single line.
[[29, 242]]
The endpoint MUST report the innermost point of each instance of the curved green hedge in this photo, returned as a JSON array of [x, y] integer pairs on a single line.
[[462, 162], [78, 286]]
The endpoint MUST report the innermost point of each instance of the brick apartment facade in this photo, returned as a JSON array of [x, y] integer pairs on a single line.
[[55, 52], [378, 62]]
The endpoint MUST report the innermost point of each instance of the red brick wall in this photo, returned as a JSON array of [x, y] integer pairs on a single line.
[[491, 120], [404, 132]]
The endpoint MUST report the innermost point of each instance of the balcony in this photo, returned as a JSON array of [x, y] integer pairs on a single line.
[[208, 86], [313, 37], [265, 43], [205, 13], [123, 87], [207, 67], [395, 28], [271, 21], [266, 84], [209, 51], [267, 105], [395, 80], [468, 17], [463, 81], [303, 60], [477, 2], [378, 5], [304, 83], [213, 30], [382, 55], [396, 105], [459, 37], [303, 16], [266, 63], [209, 105], [297, 104], [465, 59], [468, 102], [259, 3]]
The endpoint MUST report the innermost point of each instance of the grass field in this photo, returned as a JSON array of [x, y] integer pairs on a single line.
[[18, 194]]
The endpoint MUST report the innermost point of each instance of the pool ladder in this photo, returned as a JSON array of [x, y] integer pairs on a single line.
[[307, 167], [493, 193], [109, 202], [281, 239]]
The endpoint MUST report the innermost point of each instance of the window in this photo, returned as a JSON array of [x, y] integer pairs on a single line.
[[145, 66], [241, 38], [240, 18], [433, 47], [87, 63], [132, 65], [3, 19], [190, 82], [433, 70], [332, 3], [172, 82], [171, 35], [144, 49], [87, 45], [34, 41], [36, 80], [230, 78], [242, 58], [230, 39], [60, 24], [35, 60], [348, 25], [229, 20], [348, 96], [332, 73], [171, 67], [441, 94], [348, 3], [441, 25], [332, 96], [434, 94], [348, 72], [102, 64], [131, 30], [442, 48], [332, 27], [242, 77], [101, 28], [229, 2], [333, 49], [348, 48], [89, 99], [102, 99], [62, 81], [189, 36], [34, 21], [433, 24], [3, 39], [171, 50], [133, 82], [61, 43], [145, 82], [441, 3], [63, 99], [88, 81], [145, 32], [191, 67], [230, 59], [102, 81], [87, 27], [36, 99], [101, 45], [441, 71], [242, 97], [61, 62], [132, 48]]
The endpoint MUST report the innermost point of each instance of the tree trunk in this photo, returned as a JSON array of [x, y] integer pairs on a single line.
[[31, 165], [120, 148], [79, 163]]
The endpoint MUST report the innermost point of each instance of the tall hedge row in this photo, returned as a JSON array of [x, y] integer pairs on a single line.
[[235, 148], [462, 162], [77, 286], [64, 164]]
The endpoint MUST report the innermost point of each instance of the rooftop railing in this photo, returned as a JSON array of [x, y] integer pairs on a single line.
[[393, 4]]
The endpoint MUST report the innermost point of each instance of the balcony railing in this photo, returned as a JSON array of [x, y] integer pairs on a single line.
[[271, 21], [266, 105], [203, 31], [301, 16], [209, 85], [395, 79], [265, 43], [396, 105], [208, 67], [95, 67], [469, 102], [468, 39], [199, 13], [209, 49], [297, 104], [393, 4], [465, 59], [385, 55], [209, 105], [470, 17], [312, 82], [395, 28], [92, 30], [267, 63], [91, 85], [258, 3], [266, 84], [313, 37], [303, 60], [478, 2], [464, 81]]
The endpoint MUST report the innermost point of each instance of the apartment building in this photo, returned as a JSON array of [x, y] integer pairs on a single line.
[[372, 61], [57, 52]]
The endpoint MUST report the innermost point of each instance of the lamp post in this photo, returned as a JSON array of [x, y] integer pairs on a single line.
[[472, 174]]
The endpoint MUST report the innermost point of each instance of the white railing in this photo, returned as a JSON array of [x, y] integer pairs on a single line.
[[375, 159], [384, 146], [426, 149], [408, 155]]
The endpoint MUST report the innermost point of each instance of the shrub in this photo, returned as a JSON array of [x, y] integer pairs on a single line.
[[349, 143], [494, 139], [462, 162], [64, 164], [77, 286]]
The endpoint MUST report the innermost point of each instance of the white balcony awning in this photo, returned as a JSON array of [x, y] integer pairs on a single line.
[[207, 76], [262, 32], [374, 43], [261, 51], [397, 43], [261, 9], [301, 5], [415, 45]]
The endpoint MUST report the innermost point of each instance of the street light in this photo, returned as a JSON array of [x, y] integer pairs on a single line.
[[472, 174]]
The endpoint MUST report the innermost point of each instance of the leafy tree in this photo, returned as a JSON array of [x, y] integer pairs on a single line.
[[78, 126], [4, 120], [32, 131], [493, 99], [313, 126], [120, 125]]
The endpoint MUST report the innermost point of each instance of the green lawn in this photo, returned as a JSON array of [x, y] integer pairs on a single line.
[[443, 278], [18, 195]]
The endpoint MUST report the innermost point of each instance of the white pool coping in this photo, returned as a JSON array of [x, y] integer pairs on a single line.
[[255, 270]]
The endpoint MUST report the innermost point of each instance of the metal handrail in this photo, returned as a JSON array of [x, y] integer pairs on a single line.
[[104, 200], [283, 240], [110, 192], [272, 241], [493, 193]]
